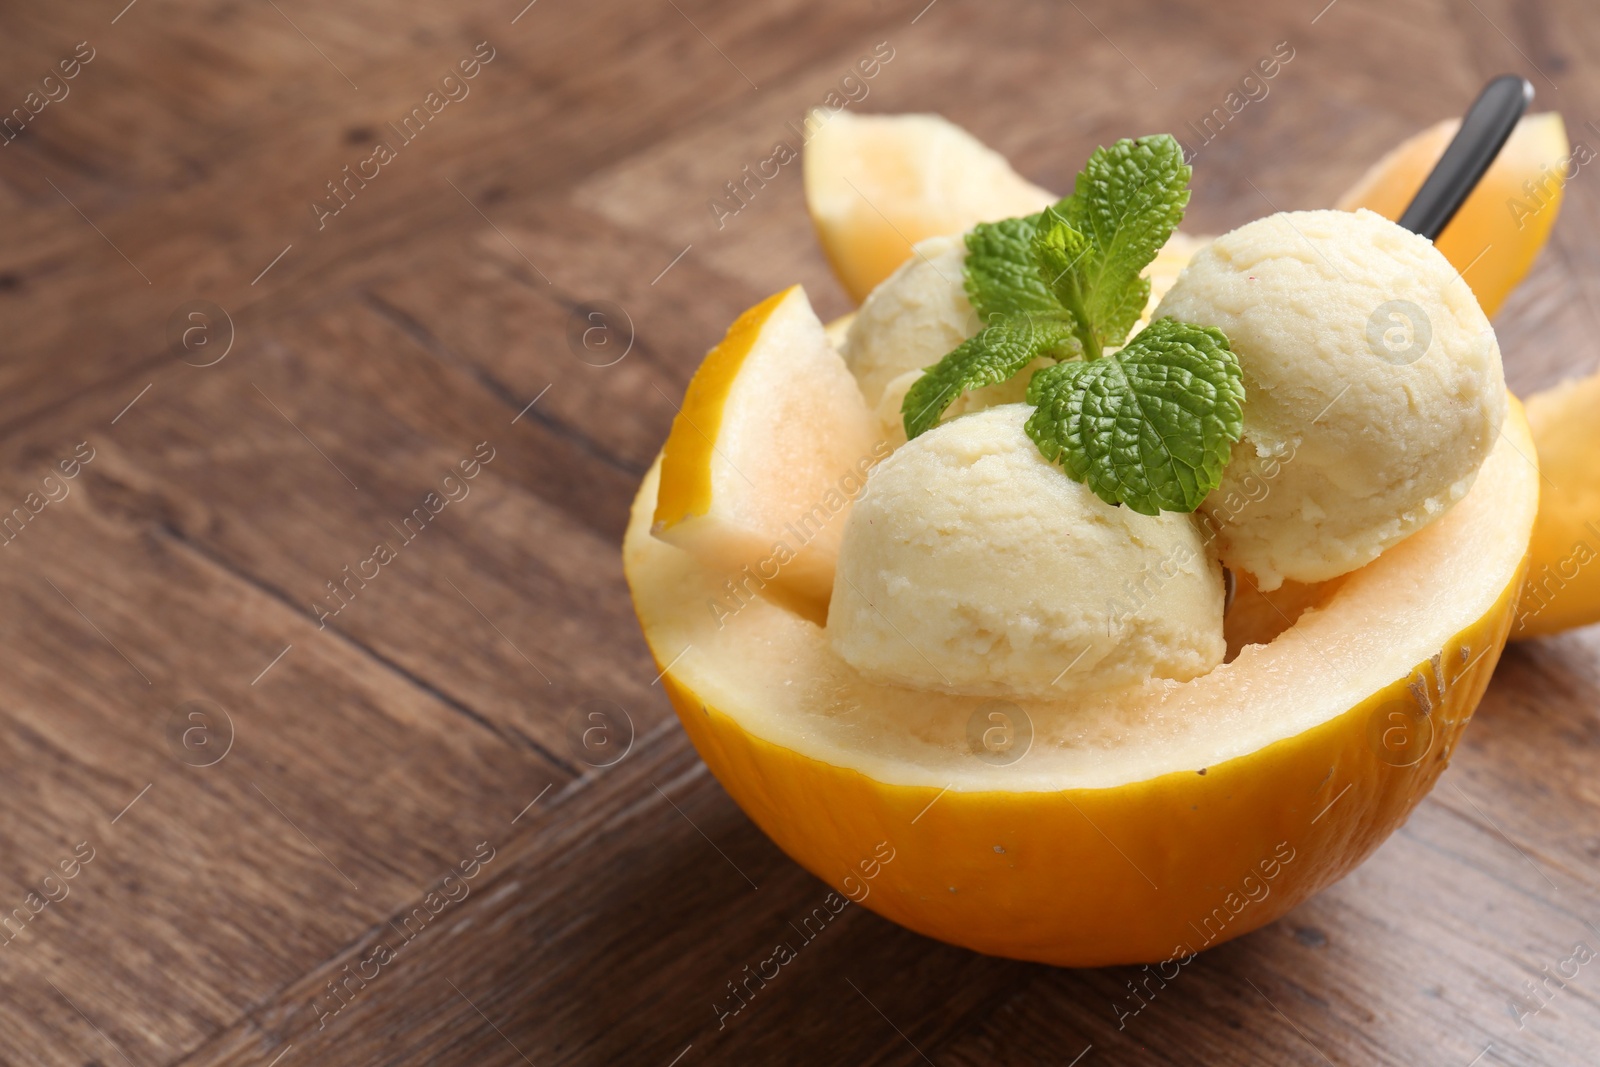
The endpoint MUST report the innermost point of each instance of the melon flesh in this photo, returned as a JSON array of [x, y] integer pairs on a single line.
[[878, 184], [773, 671]]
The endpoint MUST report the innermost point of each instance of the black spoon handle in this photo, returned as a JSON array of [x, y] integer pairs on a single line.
[[1483, 133]]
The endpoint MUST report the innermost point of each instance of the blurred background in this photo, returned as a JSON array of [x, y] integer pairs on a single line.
[[440, 811]]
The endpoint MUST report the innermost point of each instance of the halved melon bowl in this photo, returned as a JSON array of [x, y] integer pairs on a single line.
[[1142, 828], [1138, 826]]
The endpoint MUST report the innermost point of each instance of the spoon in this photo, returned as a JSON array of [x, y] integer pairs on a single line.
[[1484, 130]]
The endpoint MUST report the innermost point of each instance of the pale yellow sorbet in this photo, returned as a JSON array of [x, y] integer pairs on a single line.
[[972, 565], [1373, 388], [914, 316]]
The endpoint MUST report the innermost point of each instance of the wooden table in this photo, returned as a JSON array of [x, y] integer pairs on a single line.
[[270, 811]]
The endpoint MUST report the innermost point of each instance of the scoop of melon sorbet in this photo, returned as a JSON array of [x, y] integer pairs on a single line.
[[972, 565], [1373, 388]]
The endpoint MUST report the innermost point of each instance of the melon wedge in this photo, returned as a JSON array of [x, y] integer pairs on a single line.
[[1140, 828], [1563, 588], [1499, 230], [878, 184], [772, 444], [839, 329]]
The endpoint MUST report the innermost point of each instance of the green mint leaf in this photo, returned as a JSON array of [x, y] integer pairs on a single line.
[[1116, 314], [1127, 201], [996, 354], [1058, 252], [999, 275], [1151, 426]]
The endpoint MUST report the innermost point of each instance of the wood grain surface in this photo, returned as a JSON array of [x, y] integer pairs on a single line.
[[378, 836]]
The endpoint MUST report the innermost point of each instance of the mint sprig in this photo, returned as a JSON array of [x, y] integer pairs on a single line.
[[1150, 426]]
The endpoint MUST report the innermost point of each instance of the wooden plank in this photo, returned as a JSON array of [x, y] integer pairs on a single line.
[[608, 354], [282, 112], [344, 789], [339, 489]]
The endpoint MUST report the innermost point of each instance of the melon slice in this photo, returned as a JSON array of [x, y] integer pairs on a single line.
[[772, 444], [1563, 588], [1138, 827], [1499, 230], [838, 330], [878, 184]]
